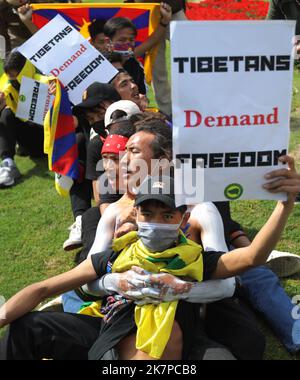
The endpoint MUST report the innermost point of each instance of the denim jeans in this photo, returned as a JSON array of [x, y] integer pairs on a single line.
[[262, 289], [71, 302]]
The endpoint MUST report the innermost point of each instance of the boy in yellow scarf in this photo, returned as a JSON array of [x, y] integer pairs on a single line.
[[158, 246], [12, 129], [158, 231]]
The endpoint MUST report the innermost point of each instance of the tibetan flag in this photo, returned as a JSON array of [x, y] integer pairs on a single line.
[[145, 17], [60, 139]]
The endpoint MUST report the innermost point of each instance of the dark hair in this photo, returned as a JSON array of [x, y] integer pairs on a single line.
[[15, 61], [120, 71], [117, 114], [113, 25], [162, 143], [182, 209], [148, 116], [124, 128], [96, 27]]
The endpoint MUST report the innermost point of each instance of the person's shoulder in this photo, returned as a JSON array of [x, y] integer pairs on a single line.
[[112, 209]]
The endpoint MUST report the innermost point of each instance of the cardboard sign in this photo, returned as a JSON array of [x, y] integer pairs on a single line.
[[34, 101], [231, 95], [60, 51]]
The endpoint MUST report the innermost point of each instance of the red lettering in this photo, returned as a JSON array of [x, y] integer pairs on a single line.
[[208, 121], [188, 118], [83, 48], [55, 72], [272, 118]]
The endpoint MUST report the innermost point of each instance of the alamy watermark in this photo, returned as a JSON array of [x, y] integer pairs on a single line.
[[121, 177]]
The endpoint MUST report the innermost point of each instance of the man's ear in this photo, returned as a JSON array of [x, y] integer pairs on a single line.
[[185, 219], [134, 211]]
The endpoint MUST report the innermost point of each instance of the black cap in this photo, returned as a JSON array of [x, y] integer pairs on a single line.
[[158, 188], [97, 93]]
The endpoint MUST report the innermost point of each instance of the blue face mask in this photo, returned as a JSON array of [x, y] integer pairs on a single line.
[[157, 237]]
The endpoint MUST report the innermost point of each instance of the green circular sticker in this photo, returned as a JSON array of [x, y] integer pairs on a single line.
[[22, 98], [233, 191]]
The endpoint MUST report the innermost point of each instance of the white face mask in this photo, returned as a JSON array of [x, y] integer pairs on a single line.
[[158, 237]]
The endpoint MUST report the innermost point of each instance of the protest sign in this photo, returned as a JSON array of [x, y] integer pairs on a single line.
[[231, 94], [60, 51], [34, 101], [145, 17]]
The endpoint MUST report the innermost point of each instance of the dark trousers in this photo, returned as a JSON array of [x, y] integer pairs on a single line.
[[80, 196], [81, 191], [233, 324], [14, 130], [50, 335], [65, 336]]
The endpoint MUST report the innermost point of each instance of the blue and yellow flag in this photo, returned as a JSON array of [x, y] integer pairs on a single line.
[[145, 17]]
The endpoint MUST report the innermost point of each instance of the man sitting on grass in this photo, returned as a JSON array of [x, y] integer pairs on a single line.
[[36, 345]]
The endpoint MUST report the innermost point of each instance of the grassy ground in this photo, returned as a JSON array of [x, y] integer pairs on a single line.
[[34, 220]]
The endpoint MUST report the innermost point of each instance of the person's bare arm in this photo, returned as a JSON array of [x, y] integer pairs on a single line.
[[28, 298], [95, 192], [241, 259], [105, 229], [25, 14], [158, 34]]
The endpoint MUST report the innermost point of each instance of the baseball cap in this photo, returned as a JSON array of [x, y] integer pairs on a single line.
[[114, 144], [129, 107], [160, 188], [97, 93]]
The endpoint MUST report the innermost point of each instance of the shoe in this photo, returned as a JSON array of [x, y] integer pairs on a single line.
[[8, 174], [297, 200], [74, 241], [283, 264]]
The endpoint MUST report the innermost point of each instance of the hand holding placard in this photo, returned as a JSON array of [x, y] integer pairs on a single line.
[[67, 56]]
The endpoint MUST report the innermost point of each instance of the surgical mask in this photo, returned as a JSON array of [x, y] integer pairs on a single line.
[[98, 127], [158, 237]]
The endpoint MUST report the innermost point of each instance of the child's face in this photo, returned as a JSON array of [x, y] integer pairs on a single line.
[[99, 42], [97, 113], [156, 212], [124, 39]]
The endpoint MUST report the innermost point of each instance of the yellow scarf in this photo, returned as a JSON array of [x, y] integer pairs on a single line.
[[155, 322], [11, 94]]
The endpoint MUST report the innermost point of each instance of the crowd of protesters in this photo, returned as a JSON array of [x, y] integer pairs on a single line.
[[152, 280]]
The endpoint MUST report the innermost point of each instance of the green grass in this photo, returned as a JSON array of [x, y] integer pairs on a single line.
[[34, 221]]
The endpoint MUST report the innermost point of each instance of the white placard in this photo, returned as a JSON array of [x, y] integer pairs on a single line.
[[60, 50], [34, 101], [231, 93]]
